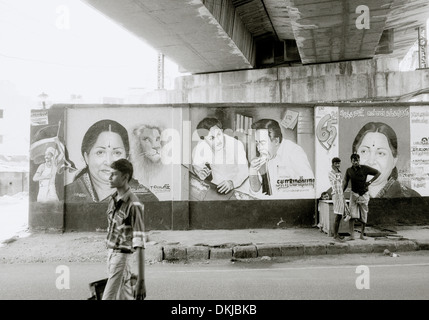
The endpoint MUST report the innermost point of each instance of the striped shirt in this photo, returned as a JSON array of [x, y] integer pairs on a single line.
[[125, 222], [336, 182]]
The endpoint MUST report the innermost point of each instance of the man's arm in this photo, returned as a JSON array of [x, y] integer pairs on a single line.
[[139, 245], [373, 172], [140, 286], [38, 175], [332, 178], [346, 180], [201, 155], [336, 182]]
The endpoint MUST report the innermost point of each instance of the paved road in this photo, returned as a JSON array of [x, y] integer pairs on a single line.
[[327, 277]]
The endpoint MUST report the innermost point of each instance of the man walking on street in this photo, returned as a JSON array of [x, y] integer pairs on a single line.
[[125, 235], [337, 195], [359, 196]]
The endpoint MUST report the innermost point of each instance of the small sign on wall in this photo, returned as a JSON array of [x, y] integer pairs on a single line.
[[39, 117]]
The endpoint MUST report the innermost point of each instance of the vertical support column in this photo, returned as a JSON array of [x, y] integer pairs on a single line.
[[422, 43], [160, 71]]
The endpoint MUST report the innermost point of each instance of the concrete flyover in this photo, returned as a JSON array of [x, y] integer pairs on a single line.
[[206, 36], [184, 31]]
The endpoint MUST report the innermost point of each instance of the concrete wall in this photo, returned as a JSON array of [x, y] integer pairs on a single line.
[[372, 79], [304, 86], [364, 80]]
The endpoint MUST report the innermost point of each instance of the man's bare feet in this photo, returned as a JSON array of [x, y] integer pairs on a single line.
[[362, 237], [339, 239]]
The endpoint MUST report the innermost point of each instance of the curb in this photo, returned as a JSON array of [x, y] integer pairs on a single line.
[[251, 251]]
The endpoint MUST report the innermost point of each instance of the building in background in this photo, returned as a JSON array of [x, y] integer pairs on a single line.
[[14, 139]]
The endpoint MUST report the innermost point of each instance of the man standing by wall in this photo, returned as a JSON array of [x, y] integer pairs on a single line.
[[125, 234], [359, 196], [337, 195]]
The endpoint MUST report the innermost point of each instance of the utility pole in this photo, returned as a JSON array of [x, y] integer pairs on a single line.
[[160, 71], [43, 96], [422, 44]]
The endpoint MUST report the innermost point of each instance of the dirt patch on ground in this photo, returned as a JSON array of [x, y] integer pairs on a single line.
[[62, 247]]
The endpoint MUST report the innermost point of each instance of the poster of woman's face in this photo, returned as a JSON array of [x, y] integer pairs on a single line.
[[108, 147], [105, 135], [381, 137]]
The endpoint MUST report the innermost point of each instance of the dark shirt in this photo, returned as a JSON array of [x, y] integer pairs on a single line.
[[358, 177]]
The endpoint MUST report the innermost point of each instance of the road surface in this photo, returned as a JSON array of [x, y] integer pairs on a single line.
[[344, 277]]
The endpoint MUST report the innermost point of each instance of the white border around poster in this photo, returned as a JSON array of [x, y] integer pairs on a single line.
[[326, 144]]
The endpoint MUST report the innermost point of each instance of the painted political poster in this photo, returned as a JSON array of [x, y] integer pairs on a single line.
[[419, 135], [248, 153], [148, 137], [48, 156], [381, 136], [326, 145]]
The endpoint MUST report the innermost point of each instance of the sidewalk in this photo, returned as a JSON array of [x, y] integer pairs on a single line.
[[258, 243], [206, 245]]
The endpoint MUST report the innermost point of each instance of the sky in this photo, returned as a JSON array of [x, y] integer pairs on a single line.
[[65, 47]]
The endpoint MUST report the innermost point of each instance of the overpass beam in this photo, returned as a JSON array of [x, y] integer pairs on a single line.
[[187, 32]]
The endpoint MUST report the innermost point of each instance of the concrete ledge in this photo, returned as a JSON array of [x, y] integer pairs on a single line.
[[406, 245], [356, 247], [220, 253], [380, 245], [315, 249], [268, 250], [201, 252], [292, 249], [244, 252], [423, 244], [197, 252], [174, 253], [337, 248], [158, 255]]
